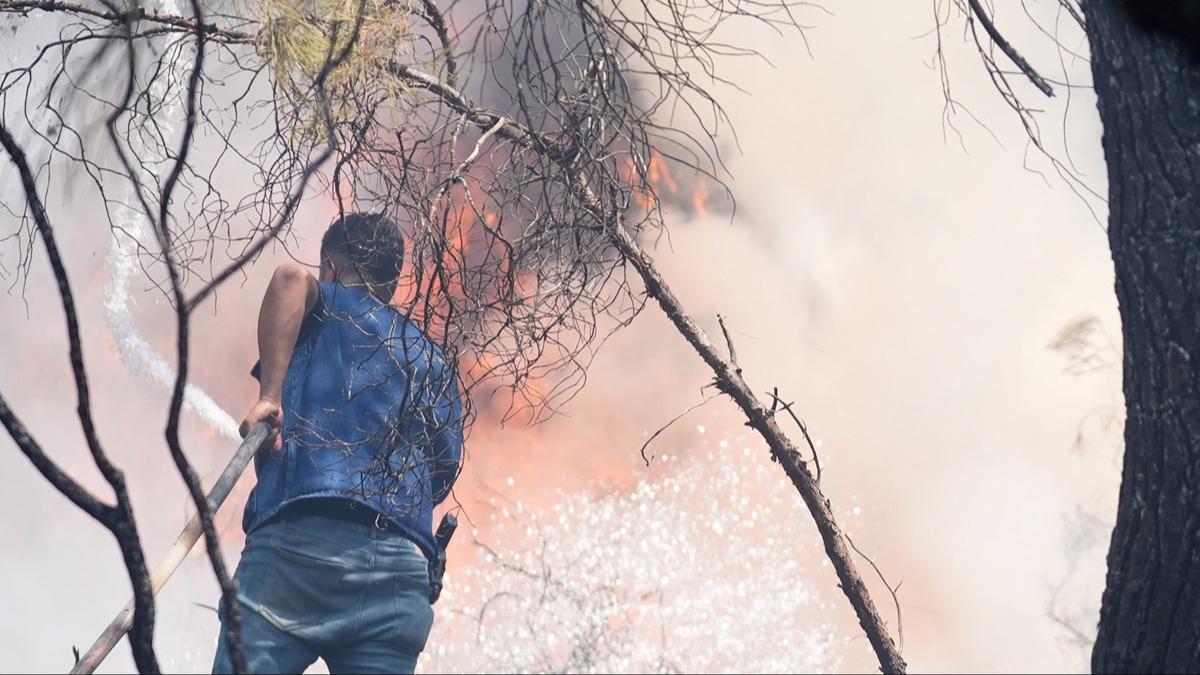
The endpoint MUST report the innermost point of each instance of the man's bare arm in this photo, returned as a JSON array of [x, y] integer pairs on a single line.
[[290, 296]]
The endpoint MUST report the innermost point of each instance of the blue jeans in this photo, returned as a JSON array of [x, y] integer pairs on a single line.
[[318, 587]]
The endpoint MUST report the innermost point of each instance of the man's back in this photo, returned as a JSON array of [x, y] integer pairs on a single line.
[[339, 526], [372, 414]]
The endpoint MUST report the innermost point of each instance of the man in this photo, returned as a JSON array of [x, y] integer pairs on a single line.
[[339, 526]]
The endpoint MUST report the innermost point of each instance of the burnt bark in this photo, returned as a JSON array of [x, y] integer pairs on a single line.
[[1178, 18], [1148, 91]]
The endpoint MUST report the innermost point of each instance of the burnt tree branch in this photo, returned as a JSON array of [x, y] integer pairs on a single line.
[[1009, 51], [730, 381]]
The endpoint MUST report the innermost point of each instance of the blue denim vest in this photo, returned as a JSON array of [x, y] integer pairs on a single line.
[[371, 413]]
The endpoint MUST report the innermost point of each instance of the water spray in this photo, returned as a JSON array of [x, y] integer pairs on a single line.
[[137, 354]]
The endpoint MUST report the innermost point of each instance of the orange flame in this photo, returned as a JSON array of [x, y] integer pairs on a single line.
[[660, 183]]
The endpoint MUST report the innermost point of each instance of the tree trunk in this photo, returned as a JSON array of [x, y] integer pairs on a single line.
[[1148, 92]]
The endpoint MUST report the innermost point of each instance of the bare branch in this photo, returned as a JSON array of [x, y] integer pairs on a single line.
[[61, 481], [1009, 51]]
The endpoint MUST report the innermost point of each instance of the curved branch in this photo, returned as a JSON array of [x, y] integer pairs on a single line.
[[437, 21], [61, 480]]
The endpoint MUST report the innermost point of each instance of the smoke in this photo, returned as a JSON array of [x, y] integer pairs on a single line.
[[899, 288]]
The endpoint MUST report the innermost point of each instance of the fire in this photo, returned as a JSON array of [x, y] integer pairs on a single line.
[[433, 284], [662, 185], [659, 175], [700, 197]]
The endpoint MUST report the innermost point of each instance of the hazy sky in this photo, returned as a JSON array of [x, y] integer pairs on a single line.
[[902, 289]]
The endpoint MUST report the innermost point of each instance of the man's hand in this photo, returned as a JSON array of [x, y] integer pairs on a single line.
[[263, 410]]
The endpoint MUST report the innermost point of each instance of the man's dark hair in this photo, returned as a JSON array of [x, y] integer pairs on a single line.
[[372, 244]]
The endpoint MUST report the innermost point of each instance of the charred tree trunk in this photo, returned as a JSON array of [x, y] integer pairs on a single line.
[[1148, 88]]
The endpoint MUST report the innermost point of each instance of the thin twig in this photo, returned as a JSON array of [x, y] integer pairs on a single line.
[[729, 341], [776, 403], [893, 591], [668, 424]]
